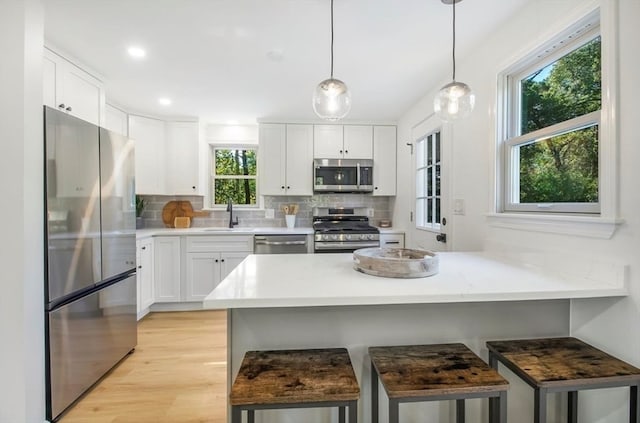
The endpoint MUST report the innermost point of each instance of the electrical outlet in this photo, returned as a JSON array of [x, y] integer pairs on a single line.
[[370, 212], [269, 213]]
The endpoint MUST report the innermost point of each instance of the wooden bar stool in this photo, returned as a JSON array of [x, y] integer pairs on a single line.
[[416, 373], [564, 365], [295, 379]]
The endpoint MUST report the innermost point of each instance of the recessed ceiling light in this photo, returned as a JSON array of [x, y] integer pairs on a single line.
[[164, 101], [136, 52]]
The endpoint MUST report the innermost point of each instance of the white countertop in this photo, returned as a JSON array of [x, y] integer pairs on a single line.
[[296, 280], [144, 233]]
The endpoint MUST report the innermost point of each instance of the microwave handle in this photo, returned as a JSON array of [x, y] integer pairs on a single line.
[[357, 175]]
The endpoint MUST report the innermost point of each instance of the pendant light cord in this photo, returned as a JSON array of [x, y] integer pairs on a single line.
[[331, 39], [454, 40]]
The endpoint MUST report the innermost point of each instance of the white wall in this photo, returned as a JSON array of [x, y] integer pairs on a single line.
[[609, 324], [21, 252]]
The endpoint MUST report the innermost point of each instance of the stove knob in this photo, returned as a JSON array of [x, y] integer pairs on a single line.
[[334, 237], [370, 236], [348, 237]]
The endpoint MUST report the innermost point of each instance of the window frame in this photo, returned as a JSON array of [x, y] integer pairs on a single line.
[[563, 43], [601, 226], [212, 174], [429, 137], [511, 183]]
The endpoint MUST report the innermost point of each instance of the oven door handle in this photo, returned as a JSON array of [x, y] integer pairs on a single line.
[[358, 175], [343, 245]]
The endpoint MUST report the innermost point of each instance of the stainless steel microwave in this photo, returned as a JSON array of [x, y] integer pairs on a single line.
[[342, 175]]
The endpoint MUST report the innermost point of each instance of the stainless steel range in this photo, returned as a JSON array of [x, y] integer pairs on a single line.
[[343, 230]]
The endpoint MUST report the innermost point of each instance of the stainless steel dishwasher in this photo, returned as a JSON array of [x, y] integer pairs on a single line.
[[280, 244]]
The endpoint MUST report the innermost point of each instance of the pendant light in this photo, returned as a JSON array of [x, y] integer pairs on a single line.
[[331, 98], [455, 100]]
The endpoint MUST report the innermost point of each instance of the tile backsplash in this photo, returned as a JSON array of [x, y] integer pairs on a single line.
[[152, 214]]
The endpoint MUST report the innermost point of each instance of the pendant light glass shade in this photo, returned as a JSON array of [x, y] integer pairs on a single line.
[[455, 100], [331, 99]]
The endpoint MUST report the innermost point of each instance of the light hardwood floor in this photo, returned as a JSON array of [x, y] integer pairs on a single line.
[[177, 374]]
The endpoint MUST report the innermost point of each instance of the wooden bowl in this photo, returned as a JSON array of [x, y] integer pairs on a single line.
[[396, 262]]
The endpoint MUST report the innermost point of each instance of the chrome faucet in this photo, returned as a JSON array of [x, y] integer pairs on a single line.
[[232, 223]]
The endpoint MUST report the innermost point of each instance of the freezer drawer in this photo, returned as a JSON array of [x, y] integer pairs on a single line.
[[85, 339]]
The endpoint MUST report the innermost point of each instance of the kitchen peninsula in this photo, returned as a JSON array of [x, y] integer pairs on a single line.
[[319, 300]]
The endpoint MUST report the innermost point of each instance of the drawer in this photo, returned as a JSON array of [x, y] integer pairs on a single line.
[[221, 243], [392, 240]]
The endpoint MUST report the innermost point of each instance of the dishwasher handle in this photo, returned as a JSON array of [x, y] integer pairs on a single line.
[[264, 242]]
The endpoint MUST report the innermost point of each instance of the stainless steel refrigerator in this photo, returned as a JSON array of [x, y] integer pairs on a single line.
[[90, 284]]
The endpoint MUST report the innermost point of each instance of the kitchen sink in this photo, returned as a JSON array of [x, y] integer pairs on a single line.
[[218, 229]]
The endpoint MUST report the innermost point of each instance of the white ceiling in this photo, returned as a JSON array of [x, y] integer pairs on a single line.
[[211, 57]]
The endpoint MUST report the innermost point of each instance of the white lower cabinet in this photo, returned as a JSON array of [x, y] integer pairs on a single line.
[[206, 270], [144, 274], [166, 269], [391, 240], [209, 259]]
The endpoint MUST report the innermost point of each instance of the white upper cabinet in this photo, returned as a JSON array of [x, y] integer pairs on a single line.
[[116, 120], [328, 142], [68, 88], [358, 142], [149, 138], [182, 158], [299, 164], [167, 159], [343, 141], [384, 160], [286, 157], [272, 156]]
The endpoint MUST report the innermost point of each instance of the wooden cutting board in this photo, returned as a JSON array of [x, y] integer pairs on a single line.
[[174, 209]]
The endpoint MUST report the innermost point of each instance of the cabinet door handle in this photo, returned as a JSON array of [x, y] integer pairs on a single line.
[[391, 242], [68, 109], [376, 188], [193, 187], [222, 260], [340, 151], [216, 260], [144, 248], [288, 187], [61, 106], [140, 267], [282, 187], [346, 151]]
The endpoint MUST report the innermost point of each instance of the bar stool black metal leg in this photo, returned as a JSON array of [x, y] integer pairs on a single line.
[[539, 406], [394, 411], [501, 407], [634, 401], [341, 414], [493, 360], [572, 413], [374, 395], [353, 411], [236, 415], [251, 416], [460, 411], [494, 409]]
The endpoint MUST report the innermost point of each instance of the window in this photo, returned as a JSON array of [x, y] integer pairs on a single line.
[[428, 182], [233, 175], [552, 150]]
